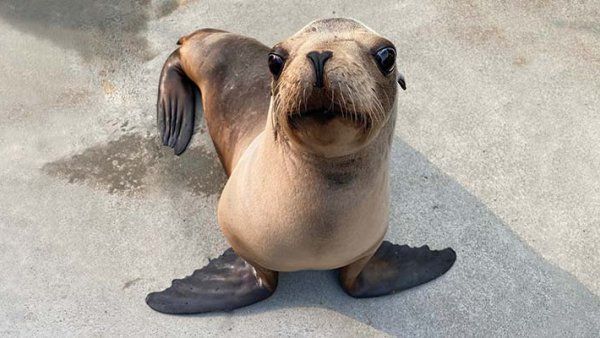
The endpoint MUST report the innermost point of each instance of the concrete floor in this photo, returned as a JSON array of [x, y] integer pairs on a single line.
[[497, 154]]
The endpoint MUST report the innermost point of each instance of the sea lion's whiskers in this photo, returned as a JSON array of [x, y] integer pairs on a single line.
[[342, 103], [332, 101], [354, 112], [376, 104], [377, 108], [368, 108], [387, 98], [304, 97]]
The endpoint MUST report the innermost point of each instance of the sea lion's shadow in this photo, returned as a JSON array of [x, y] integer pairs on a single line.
[[494, 274]]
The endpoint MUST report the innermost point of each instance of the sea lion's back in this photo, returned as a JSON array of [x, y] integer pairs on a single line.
[[232, 74]]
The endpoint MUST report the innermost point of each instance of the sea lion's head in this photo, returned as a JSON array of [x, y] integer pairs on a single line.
[[334, 86]]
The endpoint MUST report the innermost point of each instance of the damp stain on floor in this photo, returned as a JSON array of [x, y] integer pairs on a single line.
[[134, 163]]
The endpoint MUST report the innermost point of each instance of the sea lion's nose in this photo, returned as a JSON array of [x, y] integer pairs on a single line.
[[318, 60]]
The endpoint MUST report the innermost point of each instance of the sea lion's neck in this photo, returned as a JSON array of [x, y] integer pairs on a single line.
[[369, 163]]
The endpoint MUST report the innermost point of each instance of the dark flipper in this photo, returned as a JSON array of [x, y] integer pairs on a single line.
[[176, 105], [394, 268], [225, 284]]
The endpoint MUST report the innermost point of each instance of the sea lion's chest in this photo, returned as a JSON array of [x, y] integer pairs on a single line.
[[297, 222]]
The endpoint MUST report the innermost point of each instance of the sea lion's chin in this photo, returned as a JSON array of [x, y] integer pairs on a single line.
[[328, 133]]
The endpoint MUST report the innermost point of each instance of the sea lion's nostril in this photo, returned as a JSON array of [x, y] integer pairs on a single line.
[[318, 60]]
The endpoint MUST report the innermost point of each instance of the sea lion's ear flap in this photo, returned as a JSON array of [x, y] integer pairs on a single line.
[[401, 81], [176, 105]]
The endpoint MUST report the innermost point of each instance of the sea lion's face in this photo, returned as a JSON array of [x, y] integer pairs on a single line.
[[334, 86]]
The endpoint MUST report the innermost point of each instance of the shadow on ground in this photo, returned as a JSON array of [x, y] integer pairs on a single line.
[[109, 29]]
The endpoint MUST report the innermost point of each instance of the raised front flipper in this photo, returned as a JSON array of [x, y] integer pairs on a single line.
[[225, 284], [176, 105], [394, 268]]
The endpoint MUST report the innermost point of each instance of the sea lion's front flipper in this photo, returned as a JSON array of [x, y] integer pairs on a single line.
[[225, 284], [176, 105], [394, 268]]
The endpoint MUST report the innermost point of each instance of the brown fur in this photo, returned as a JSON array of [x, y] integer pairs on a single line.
[[308, 165], [231, 72], [303, 193]]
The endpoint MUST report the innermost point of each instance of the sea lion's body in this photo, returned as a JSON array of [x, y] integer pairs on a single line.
[[286, 213], [307, 154], [267, 211]]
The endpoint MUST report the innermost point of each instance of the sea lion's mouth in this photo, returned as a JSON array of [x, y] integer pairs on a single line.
[[324, 116]]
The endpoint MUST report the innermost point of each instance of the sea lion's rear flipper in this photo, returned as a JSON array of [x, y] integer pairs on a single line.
[[394, 268], [225, 284], [176, 105]]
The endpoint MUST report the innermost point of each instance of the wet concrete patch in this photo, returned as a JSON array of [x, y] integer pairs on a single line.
[[134, 163]]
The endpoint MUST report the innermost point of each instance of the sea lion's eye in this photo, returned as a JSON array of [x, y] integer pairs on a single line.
[[276, 63], [386, 59]]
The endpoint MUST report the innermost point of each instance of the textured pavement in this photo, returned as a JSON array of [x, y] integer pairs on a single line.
[[496, 154]]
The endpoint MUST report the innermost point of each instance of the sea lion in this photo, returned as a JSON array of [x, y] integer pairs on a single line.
[[303, 131]]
